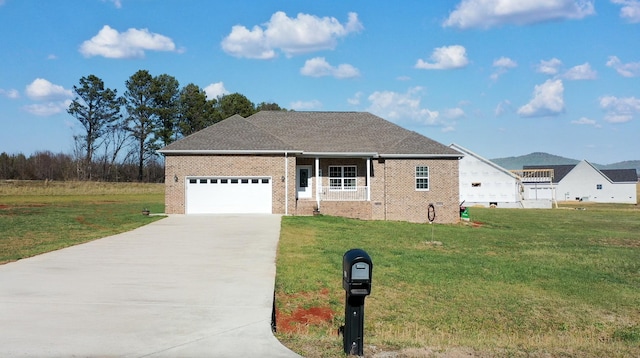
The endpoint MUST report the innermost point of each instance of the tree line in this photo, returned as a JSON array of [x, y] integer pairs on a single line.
[[46, 165], [120, 134]]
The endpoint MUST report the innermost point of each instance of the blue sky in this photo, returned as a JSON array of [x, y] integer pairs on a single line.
[[499, 77]]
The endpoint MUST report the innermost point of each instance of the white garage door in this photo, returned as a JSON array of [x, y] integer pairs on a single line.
[[228, 195]]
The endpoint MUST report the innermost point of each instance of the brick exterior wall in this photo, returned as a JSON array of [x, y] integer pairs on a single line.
[[227, 165], [393, 193], [348, 209], [401, 200]]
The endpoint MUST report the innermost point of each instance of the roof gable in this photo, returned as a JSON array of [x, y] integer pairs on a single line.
[[467, 152]]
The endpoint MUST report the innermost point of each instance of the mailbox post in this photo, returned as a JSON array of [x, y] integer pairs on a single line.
[[356, 281]]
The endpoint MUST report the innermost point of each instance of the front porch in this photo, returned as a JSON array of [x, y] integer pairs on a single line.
[[337, 186]]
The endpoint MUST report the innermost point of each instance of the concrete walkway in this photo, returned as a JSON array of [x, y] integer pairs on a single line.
[[185, 286]]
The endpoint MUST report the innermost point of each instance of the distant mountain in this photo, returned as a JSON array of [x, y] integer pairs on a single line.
[[627, 164], [539, 158]]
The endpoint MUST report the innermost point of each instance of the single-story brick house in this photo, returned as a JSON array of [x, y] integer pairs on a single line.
[[351, 164]]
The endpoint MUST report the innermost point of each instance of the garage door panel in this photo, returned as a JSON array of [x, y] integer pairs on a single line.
[[229, 195]]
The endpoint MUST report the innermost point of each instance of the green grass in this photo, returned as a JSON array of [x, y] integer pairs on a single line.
[[516, 283], [560, 282], [37, 217]]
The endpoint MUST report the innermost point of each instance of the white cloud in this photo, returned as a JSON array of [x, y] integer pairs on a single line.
[[41, 90], [355, 100], [132, 43], [580, 72], [586, 121], [116, 3], [215, 90], [503, 107], [630, 10], [551, 67], [10, 93], [505, 62], [305, 105], [57, 98], [547, 100], [492, 13], [47, 109], [242, 42], [502, 65], [399, 107], [619, 110], [453, 113], [293, 36], [319, 67], [631, 69], [445, 58]]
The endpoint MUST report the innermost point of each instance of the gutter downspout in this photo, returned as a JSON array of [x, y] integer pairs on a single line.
[[286, 183]]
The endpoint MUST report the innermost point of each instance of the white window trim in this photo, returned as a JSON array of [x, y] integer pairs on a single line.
[[342, 178], [422, 177]]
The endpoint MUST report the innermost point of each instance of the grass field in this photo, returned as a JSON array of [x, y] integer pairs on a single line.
[[37, 217], [513, 283]]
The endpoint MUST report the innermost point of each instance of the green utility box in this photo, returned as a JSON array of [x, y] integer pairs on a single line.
[[464, 213]]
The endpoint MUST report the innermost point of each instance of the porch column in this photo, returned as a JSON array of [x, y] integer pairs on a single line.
[[368, 179], [318, 182]]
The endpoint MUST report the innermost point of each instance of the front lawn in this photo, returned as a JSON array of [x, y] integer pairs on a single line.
[[530, 283], [37, 217]]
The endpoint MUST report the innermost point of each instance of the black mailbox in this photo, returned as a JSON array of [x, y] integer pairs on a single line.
[[356, 281], [356, 272]]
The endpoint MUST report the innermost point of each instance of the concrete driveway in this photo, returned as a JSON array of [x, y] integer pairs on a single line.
[[185, 286]]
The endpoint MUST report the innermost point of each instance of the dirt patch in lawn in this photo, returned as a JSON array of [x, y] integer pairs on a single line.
[[474, 224], [302, 318], [81, 220], [620, 242], [22, 206], [299, 319]]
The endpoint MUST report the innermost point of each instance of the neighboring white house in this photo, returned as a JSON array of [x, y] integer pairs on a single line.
[[585, 182], [485, 183]]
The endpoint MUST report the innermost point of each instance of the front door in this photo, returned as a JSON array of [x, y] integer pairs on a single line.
[[303, 181]]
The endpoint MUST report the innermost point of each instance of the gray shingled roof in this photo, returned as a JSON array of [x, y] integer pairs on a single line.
[[232, 134], [310, 132], [621, 175]]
